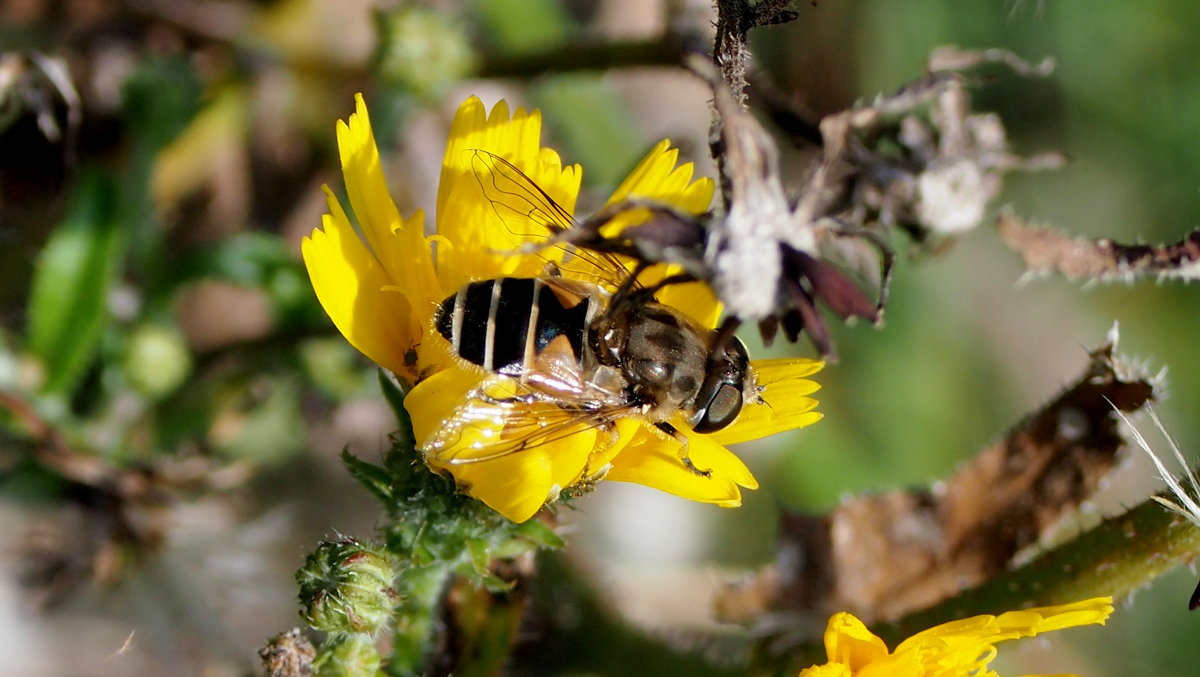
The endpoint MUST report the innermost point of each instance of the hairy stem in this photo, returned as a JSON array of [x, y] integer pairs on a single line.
[[1115, 558], [415, 617]]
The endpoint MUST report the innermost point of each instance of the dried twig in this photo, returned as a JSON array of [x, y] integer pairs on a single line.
[[966, 530], [918, 159], [1118, 557], [125, 512], [731, 50], [1047, 251]]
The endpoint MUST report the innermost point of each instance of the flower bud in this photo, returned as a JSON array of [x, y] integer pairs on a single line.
[[423, 50], [347, 587], [156, 360]]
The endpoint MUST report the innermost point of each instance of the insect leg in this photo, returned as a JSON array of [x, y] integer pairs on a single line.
[[725, 334], [683, 448], [647, 293], [627, 285]]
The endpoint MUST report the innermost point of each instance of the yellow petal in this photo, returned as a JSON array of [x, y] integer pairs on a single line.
[[349, 283], [488, 208], [627, 430], [849, 642], [434, 400], [1015, 624], [656, 178], [363, 173], [694, 299], [519, 484], [1093, 611], [655, 461], [456, 431], [400, 248], [827, 670], [786, 405]]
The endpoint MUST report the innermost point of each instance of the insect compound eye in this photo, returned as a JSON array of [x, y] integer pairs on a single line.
[[719, 400], [720, 410]]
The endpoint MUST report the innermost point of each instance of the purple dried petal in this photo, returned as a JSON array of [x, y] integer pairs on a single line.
[[833, 287], [810, 318], [768, 327]]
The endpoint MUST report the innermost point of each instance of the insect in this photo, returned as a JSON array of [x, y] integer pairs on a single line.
[[582, 353]]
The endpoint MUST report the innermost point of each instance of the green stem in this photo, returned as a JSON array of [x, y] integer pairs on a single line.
[[422, 588], [579, 633], [1120, 555]]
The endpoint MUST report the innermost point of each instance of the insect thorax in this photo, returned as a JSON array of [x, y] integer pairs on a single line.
[[660, 351]]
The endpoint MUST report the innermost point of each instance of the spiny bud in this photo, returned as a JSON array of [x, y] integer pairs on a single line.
[[348, 656], [347, 587]]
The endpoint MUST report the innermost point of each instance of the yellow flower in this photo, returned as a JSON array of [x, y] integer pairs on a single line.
[[954, 649], [382, 291]]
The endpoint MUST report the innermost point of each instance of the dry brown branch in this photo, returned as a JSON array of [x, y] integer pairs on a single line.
[[114, 514], [1046, 251], [731, 50], [920, 159], [963, 531]]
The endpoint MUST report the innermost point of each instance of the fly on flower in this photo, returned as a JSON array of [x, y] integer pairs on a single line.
[[586, 355], [540, 369]]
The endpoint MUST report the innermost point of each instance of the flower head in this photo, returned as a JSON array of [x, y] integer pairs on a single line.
[[499, 193], [957, 648]]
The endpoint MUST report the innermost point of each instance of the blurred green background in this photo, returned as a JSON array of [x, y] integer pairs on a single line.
[[157, 328]]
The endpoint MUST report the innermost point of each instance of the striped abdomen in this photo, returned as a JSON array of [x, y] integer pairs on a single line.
[[503, 324]]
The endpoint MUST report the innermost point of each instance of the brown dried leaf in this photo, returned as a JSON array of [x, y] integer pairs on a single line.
[[920, 157], [1048, 251], [884, 556]]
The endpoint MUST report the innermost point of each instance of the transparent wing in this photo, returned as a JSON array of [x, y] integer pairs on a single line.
[[529, 213], [502, 417]]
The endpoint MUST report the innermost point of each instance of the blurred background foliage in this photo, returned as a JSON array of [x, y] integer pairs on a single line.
[[174, 399]]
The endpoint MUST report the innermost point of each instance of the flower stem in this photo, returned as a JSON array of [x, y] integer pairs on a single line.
[[415, 616], [1116, 557]]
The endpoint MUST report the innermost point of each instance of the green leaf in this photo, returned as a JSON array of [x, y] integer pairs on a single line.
[[493, 583], [246, 259], [540, 533], [422, 556], [525, 26], [160, 98], [594, 128], [479, 559], [479, 554], [403, 450], [394, 393], [71, 281], [371, 476]]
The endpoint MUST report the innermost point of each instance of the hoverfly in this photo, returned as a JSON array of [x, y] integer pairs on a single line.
[[578, 354]]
